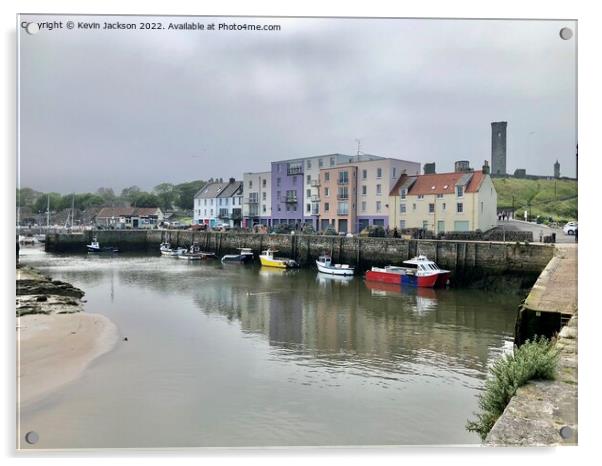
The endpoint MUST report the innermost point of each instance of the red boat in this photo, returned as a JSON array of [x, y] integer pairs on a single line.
[[419, 271]]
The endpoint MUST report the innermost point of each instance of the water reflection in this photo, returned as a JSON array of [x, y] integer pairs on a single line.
[[323, 360]]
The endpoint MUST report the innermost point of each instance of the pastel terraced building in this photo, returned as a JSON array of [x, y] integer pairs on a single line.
[[219, 203], [444, 202], [295, 187], [355, 195], [257, 199]]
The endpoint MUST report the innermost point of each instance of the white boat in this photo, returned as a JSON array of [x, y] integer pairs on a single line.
[[167, 250], [95, 247], [195, 254], [245, 255], [325, 265]]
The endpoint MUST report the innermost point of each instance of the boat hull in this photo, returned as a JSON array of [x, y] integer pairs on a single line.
[[340, 271], [425, 281], [278, 263], [237, 258]]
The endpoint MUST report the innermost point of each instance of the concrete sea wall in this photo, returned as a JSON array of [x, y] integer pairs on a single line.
[[468, 259]]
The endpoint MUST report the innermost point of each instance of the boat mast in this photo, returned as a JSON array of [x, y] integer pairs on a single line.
[[48, 214]]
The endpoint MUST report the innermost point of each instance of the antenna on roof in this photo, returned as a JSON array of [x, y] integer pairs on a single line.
[[359, 142]]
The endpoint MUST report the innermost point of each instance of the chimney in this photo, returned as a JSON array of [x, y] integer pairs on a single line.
[[429, 168], [462, 166], [486, 169], [232, 180]]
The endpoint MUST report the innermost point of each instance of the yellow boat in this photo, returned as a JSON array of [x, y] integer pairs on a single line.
[[267, 258]]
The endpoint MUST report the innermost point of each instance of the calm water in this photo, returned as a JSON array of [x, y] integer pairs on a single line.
[[229, 355]]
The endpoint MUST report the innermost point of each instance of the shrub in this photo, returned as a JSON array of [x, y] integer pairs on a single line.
[[330, 231], [533, 360], [373, 231]]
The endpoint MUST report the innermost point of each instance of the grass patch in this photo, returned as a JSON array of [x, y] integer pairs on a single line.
[[534, 360]]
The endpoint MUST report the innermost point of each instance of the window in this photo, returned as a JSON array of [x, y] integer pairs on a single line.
[[481, 207], [263, 207], [363, 206], [431, 208], [326, 206], [444, 206], [402, 224], [308, 207], [402, 193], [332, 161], [263, 183], [308, 193], [263, 196], [205, 201], [278, 196], [439, 196], [212, 212], [211, 201], [394, 171], [279, 208], [379, 172], [364, 190], [343, 177], [320, 163], [308, 179], [378, 204], [278, 182], [420, 196], [326, 191], [364, 174], [379, 190], [309, 164], [425, 224], [343, 208], [460, 207], [250, 184], [459, 191], [413, 206], [220, 201], [326, 176], [402, 208]]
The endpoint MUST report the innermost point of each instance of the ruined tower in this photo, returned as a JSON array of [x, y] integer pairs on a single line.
[[557, 169], [498, 147]]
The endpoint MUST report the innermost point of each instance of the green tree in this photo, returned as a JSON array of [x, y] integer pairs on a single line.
[[41, 203], [146, 200], [130, 194], [166, 194], [27, 197], [186, 192], [107, 194]]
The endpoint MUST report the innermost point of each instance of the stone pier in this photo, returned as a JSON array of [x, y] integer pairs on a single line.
[[544, 412]]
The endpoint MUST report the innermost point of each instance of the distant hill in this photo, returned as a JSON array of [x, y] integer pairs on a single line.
[[548, 198]]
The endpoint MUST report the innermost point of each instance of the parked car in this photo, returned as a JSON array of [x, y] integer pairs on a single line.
[[570, 228]]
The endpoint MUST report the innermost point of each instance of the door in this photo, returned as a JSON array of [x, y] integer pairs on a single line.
[[461, 225], [440, 226]]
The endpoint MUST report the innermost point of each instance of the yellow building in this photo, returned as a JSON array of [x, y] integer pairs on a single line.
[[440, 202]]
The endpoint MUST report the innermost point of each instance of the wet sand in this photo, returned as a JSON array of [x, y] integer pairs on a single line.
[[53, 350]]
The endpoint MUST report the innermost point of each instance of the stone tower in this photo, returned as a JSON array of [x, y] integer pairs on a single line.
[[557, 170], [498, 147]]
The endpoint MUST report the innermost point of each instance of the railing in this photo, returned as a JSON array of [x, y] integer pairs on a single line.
[[294, 171], [343, 196], [315, 198], [251, 200], [290, 199], [343, 181], [315, 183], [343, 212], [315, 210]]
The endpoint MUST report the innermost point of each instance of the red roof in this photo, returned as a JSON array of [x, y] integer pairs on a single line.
[[444, 183]]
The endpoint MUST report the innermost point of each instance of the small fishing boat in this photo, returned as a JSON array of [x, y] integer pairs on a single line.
[[267, 258], [325, 265], [167, 250], [245, 255], [419, 271], [95, 247], [195, 254]]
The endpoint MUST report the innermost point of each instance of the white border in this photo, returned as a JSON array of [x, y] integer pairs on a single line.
[[589, 166]]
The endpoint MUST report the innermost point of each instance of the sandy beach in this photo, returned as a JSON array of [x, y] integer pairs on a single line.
[[53, 350], [56, 340]]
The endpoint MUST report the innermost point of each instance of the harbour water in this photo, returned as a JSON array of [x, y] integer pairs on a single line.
[[230, 355]]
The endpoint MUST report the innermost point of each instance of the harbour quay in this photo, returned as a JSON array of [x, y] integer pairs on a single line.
[[469, 260]]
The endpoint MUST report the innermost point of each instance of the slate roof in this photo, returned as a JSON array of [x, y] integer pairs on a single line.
[[210, 190], [231, 189]]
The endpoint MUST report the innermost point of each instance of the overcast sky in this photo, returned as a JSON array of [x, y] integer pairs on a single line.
[[122, 108]]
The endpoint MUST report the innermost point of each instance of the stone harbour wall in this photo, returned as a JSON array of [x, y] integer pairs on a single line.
[[470, 259]]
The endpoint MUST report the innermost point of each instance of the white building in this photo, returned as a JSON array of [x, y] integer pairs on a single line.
[[219, 204], [257, 202]]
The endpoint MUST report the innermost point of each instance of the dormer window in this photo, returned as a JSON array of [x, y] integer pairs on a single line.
[[459, 191], [402, 193]]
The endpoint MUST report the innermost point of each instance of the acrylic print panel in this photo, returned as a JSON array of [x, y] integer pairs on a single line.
[[179, 177]]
